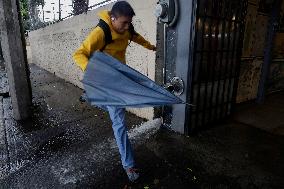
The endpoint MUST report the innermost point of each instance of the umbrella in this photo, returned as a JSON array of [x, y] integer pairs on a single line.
[[108, 82]]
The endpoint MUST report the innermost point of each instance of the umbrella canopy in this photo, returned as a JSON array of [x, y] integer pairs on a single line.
[[108, 82]]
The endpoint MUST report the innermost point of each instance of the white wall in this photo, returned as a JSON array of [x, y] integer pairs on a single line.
[[52, 47]]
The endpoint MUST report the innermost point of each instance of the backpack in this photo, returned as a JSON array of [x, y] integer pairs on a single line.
[[108, 38]]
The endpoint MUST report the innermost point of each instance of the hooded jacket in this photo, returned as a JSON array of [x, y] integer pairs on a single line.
[[95, 41]]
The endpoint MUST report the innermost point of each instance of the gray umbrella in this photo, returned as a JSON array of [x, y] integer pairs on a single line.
[[108, 82]]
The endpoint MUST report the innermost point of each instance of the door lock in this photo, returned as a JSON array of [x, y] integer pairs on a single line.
[[175, 86]]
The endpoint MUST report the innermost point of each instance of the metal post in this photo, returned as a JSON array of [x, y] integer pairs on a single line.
[[42, 13], [184, 56], [59, 10], [268, 51], [53, 12]]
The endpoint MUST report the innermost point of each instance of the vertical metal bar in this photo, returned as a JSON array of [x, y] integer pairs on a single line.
[[233, 62], [72, 7], [191, 63], [59, 10], [226, 66], [268, 50], [191, 91], [53, 13], [199, 72], [164, 108], [209, 54], [165, 52], [42, 7], [214, 62], [220, 66]]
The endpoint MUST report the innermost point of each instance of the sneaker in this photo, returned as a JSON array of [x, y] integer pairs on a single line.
[[132, 174], [83, 97]]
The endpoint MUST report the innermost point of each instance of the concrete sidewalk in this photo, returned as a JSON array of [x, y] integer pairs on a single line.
[[67, 144]]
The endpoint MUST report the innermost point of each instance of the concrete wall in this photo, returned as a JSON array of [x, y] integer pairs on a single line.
[[249, 78], [52, 46], [253, 53]]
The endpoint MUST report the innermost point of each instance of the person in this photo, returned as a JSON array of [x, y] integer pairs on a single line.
[[119, 22]]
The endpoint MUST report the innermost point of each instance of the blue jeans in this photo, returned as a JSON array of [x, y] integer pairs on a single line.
[[120, 133]]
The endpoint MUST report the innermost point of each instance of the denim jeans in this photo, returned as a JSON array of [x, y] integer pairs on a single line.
[[117, 116]]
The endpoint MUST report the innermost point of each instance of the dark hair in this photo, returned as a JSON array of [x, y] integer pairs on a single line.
[[122, 8]]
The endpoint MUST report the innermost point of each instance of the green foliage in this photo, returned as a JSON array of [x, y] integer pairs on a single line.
[[24, 9], [26, 4], [27, 8]]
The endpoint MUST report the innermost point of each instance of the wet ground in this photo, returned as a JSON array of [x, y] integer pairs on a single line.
[[68, 144]]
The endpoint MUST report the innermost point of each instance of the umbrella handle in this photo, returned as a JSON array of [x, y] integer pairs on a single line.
[[189, 104]]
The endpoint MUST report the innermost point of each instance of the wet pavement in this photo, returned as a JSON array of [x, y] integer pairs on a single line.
[[68, 144]]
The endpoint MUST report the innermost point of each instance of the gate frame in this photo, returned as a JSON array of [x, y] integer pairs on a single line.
[[178, 117]]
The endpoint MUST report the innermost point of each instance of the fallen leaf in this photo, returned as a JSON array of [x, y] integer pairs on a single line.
[[189, 169]]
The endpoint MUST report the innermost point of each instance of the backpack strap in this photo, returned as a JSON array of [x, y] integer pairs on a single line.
[[108, 38], [132, 32]]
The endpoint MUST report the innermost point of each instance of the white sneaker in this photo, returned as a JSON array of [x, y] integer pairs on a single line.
[[132, 174]]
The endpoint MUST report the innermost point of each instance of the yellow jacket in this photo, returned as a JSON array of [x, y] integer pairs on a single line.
[[95, 42]]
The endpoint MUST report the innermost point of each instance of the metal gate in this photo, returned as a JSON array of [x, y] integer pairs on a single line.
[[219, 32]]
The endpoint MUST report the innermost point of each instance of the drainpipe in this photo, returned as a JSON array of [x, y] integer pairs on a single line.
[[268, 51]]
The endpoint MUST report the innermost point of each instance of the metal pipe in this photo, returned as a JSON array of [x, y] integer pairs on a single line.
[[164, 66], [268, 51], [165, 52]]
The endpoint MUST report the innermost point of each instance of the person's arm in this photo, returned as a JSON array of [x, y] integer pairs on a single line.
[[93, 42], [137, 38]]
